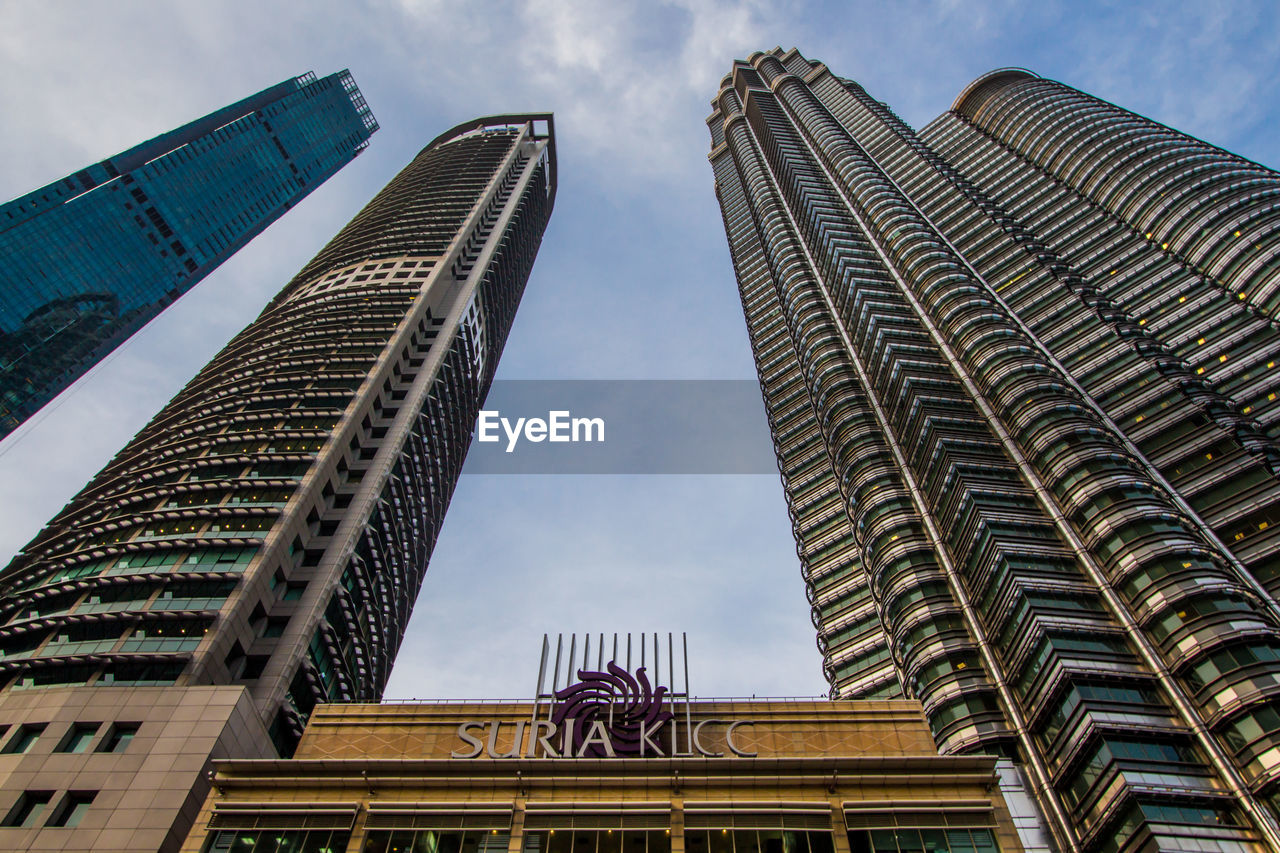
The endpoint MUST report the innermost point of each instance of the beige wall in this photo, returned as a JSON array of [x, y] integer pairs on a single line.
[[148, 794], [816, 758], [801, 729]]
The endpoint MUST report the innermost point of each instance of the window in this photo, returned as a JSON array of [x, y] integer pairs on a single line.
[[118, 738], [275, 627], [208, 595], [260, 841], [175, 636], [254, 666], [916, 840], [141, 674], [72, 808], [46, 676], [116, 598], [78, 738], [24, 738], [28, 809], [85, 638], [724, 840]]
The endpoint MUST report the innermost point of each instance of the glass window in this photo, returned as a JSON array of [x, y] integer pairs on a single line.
[[455, 841], [118, 738], [140, 673], [84, 638], [24, 738], [116, 598], [28, 809], [72, 809], [176, 636], [756, 841], [273, 840], [922, 841], [209, 595], [275, 627], [78, 737]]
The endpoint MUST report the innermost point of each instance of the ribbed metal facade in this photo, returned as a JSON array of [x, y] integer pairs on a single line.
[[88, 260], [1020, 372], [271, 526]]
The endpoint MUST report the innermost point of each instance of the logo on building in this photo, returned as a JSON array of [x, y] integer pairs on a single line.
[[606, 710], [626, 711]]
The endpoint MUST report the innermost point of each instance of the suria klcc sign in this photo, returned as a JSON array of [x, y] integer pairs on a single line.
[[609, 711]]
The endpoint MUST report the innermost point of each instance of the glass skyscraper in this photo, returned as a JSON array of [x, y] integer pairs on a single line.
[[1021, 372], [257, 548], [88, 260]]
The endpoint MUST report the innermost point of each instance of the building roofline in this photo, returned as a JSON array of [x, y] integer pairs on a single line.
[[969, 101], [502, 120]]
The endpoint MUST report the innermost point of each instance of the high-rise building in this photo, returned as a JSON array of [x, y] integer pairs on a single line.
[[257, 548], [1021, 372], [88, 260]]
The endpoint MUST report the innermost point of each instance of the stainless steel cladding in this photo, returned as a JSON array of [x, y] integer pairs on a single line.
[[1020, 372]]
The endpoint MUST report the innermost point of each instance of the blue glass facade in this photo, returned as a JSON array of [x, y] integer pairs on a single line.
[[88, 260]]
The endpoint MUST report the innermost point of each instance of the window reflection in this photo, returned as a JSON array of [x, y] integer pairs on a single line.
[[279, 841], [922, 841], [756, 841]]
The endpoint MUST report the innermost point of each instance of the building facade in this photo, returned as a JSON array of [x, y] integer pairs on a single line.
[[267, 533], [806, 777], [92, 258], [1020, 371]]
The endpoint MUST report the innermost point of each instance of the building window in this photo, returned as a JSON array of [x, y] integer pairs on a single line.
[[754, 841], [72, 808], [78, 738], [24, 738], [454, 841], [272, 840], [118, 738], [275, 627], [28, 809], [916, 840]]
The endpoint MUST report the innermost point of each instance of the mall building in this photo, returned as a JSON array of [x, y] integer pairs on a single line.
[[703, 776]]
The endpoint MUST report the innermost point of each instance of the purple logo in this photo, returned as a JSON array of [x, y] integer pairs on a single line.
[[627, 711]]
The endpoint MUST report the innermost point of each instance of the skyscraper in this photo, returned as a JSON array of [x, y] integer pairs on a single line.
[[269, 530], [92, 258], [1020, 369]]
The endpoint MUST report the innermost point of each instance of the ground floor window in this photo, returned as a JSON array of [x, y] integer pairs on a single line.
[[436, 841], [922, 841], [278, 841], [598, 841], [756, 841]]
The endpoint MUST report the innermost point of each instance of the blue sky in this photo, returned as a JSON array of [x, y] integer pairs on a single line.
[[633, 279]]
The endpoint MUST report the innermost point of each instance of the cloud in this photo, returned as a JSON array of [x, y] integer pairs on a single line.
[[1206, 70], [629, 81], [524, 556]]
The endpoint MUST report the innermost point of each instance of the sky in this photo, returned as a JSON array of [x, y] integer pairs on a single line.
[[633, 279]]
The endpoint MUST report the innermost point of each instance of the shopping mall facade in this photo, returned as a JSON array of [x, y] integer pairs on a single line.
[[611, 764]]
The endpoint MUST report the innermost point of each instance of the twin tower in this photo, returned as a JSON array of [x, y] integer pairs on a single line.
[[1019, 367]]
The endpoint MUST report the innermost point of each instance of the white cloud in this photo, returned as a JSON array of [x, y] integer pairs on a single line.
[[629, 81]]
